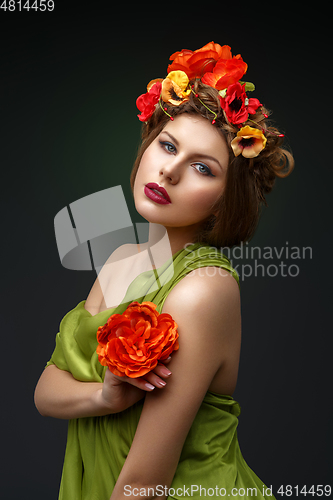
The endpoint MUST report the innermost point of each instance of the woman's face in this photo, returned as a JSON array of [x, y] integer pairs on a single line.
[[189, 159]]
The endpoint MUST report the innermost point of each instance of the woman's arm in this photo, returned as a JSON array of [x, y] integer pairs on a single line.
[[58, 394], [207, 310]]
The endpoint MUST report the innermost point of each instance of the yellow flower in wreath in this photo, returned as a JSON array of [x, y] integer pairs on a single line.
[[175, 88], [249, 142]]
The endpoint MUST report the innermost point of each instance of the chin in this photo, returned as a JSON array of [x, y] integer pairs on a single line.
[[149, 212]]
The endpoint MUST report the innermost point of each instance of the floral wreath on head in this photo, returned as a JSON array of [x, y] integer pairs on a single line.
[[215, 66]]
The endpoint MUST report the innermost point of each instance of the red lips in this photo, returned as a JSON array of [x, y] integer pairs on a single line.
[[157, 193]]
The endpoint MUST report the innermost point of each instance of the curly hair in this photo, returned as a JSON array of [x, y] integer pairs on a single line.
[[248, 180]]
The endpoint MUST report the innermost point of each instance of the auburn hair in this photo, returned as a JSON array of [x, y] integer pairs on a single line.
[[248, 180]]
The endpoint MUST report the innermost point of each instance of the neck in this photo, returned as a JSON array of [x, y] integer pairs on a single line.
[[166, 241]]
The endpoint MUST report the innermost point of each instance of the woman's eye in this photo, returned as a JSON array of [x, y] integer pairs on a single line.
[[168, 146], [203, 169]]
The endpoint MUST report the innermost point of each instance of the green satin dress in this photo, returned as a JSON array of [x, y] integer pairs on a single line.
[[211, 463]]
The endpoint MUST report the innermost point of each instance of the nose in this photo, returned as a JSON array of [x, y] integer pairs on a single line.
[[171, 170]]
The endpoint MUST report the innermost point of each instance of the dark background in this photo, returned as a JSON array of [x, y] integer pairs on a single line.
[[68, 84]]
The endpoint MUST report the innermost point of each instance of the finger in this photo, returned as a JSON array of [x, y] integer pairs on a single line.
[[166, 361], [140, 383], [155, 380], [146, 383], [162, 371]]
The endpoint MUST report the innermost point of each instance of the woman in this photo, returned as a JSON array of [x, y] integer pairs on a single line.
[[207, 159]]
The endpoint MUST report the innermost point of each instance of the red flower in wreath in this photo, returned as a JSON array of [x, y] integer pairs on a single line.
[[237, 105], [146, 103], [132, 343], [226, 72], [234, 104], [196, 63], [252, 105]]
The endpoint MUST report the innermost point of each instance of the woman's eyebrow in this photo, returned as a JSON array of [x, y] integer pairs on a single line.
[[202, 155], [171, 137], [208, 157]]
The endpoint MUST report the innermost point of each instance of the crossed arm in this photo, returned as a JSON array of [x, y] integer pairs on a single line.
[[207, 311]]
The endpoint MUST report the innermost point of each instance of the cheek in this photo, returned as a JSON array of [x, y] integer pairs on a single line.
[[144, 167], [202, 200], [142, 177], [136, 185], [139, 174]]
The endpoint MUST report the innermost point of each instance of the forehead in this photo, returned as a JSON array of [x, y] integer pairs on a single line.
[[197, 133]]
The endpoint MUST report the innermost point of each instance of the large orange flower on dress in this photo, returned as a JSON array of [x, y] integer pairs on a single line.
[[198, 62], [132, 343]]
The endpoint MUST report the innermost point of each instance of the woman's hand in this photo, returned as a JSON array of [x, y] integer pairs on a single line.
[[119, 393], [58, 394]]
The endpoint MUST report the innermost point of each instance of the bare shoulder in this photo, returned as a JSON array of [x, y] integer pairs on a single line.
[[206, 307], [211, 289]]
